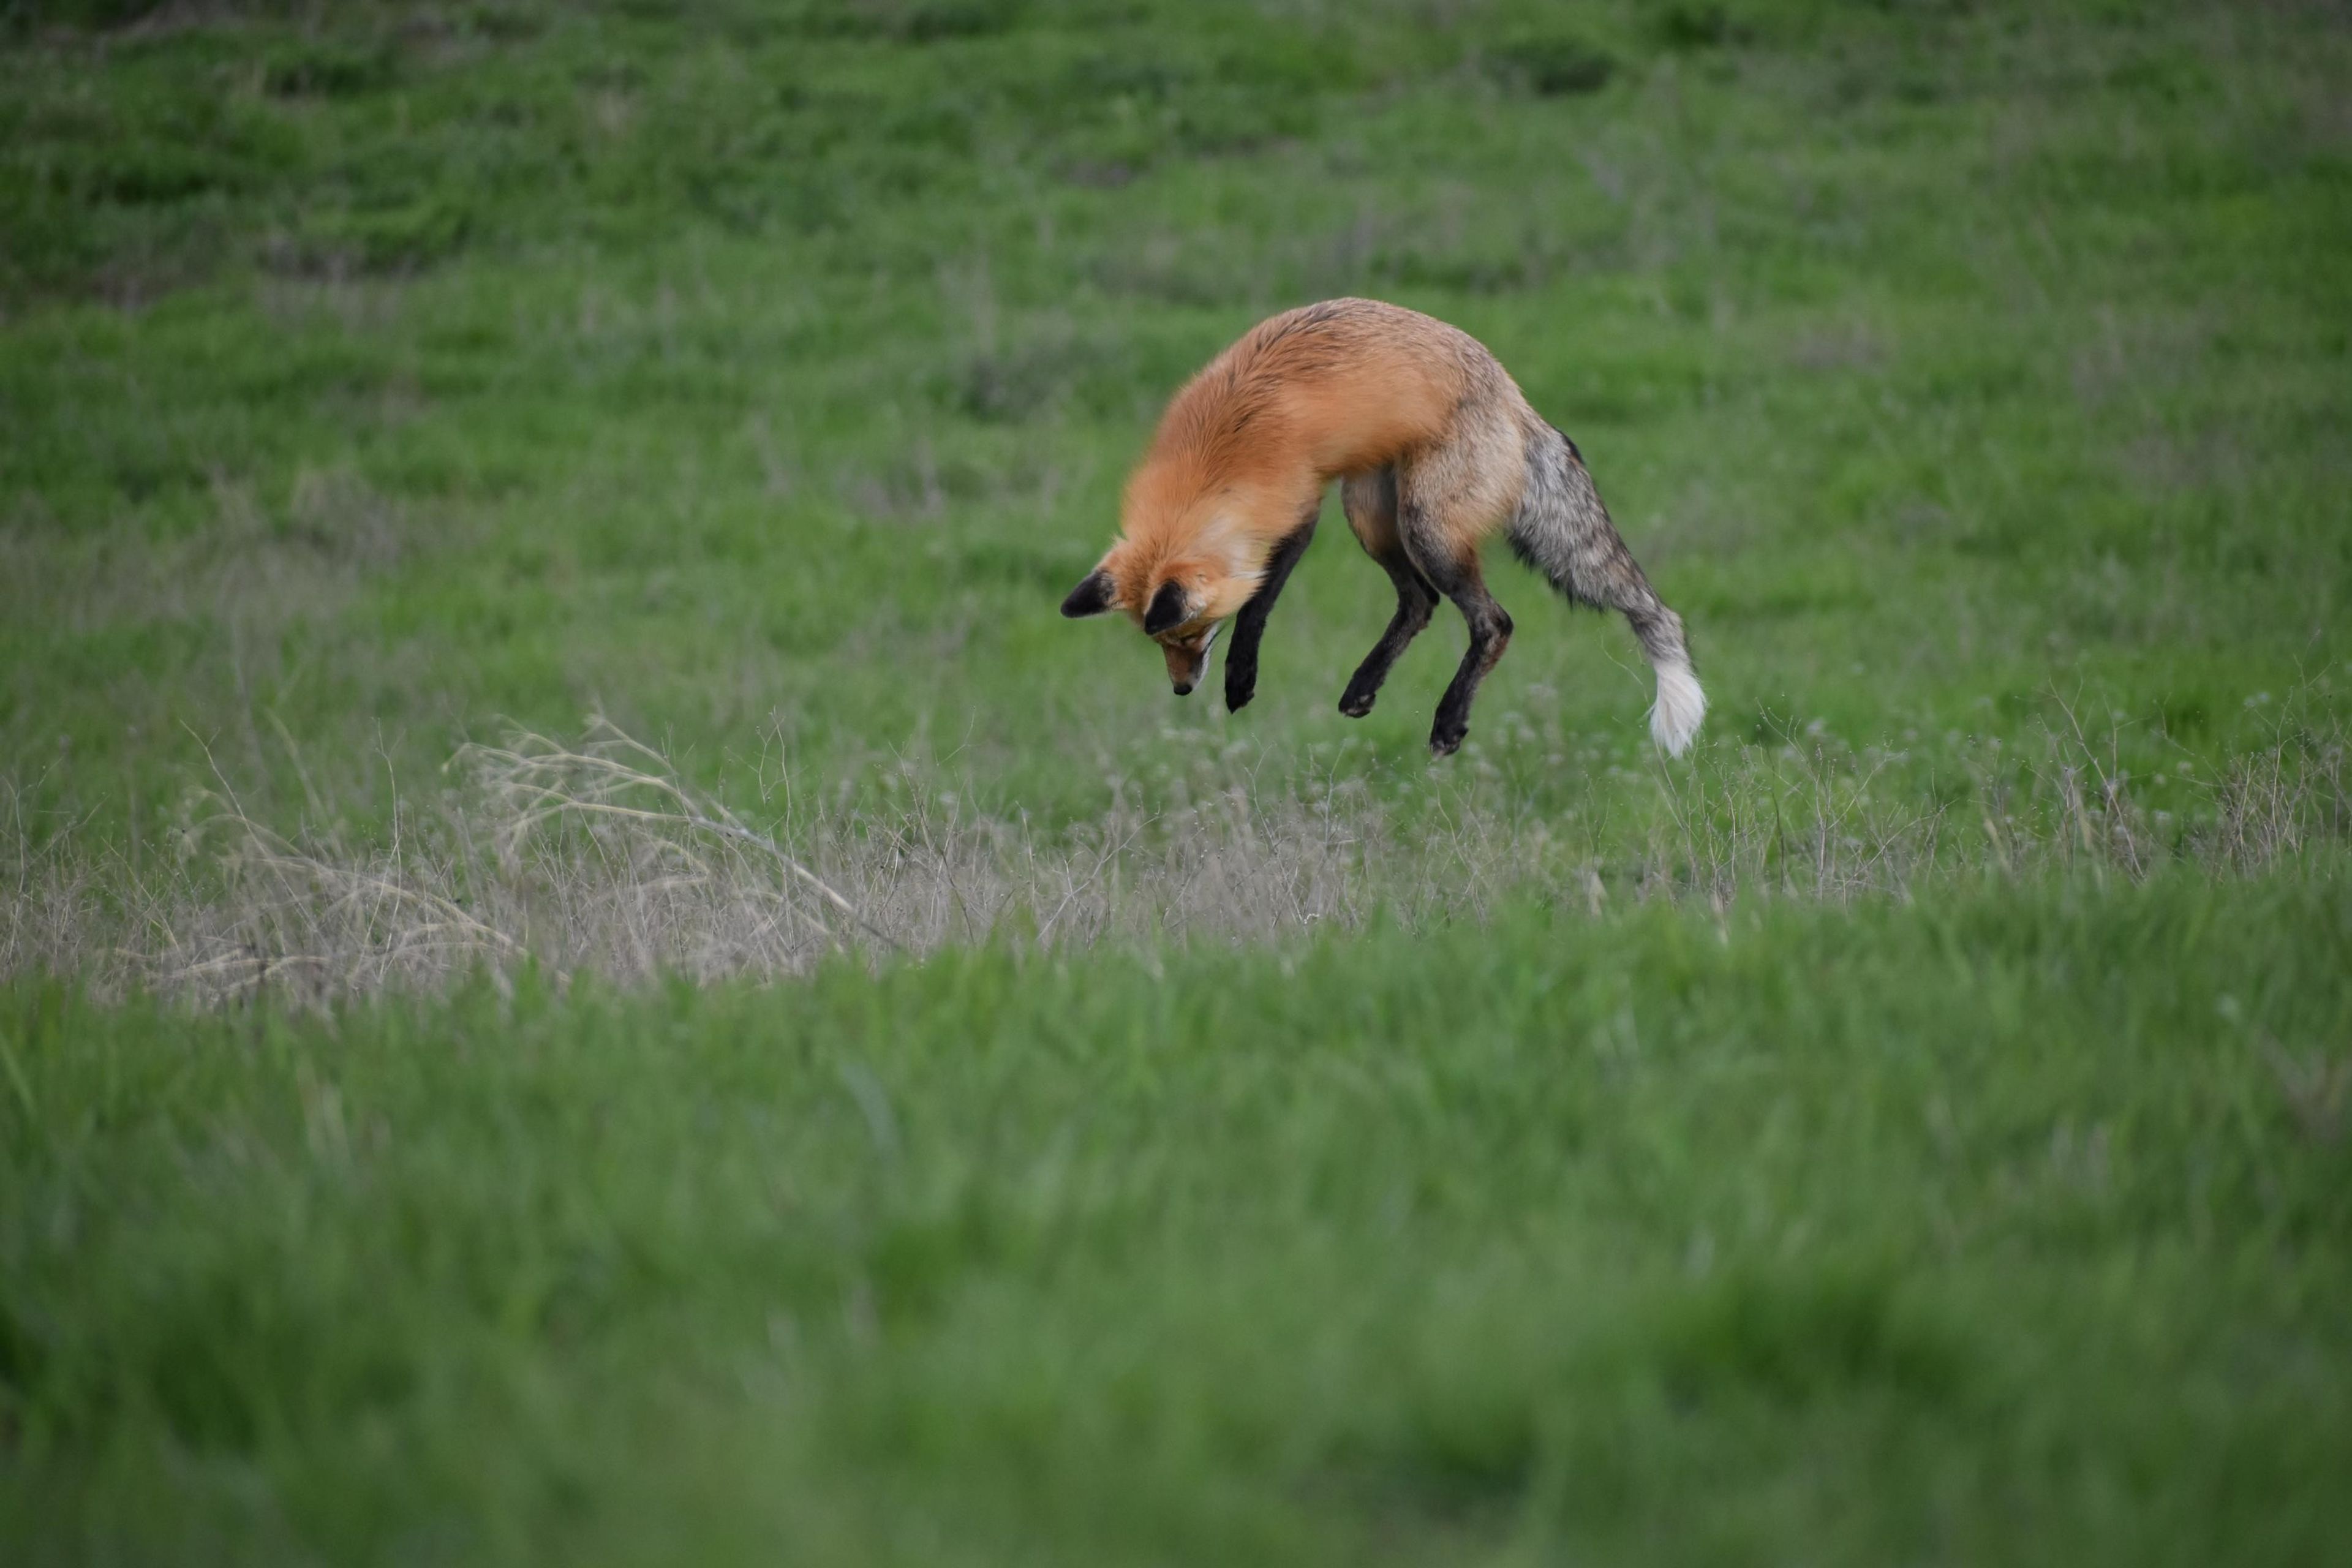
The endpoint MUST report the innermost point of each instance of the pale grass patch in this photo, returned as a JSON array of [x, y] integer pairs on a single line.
[[595, 856]]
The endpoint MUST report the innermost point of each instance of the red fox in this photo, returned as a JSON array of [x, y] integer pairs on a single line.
[[1436, 449]]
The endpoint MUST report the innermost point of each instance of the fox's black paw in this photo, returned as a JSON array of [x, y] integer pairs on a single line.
[[1355, 704], [1241, 680], [1446, 739]]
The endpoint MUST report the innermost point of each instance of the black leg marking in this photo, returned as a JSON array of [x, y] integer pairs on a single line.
[[1249, 626], [1490, 633], [1416, 600]]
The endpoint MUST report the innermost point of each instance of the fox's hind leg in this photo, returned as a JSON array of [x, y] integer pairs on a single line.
[[1369, 500], [1416, 601], [1441, 533], [1249, 626]]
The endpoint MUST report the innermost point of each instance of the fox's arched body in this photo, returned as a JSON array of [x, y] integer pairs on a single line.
[[1437, 450]]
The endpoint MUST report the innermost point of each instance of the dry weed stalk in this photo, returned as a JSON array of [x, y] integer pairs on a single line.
[[538, 781], [597, 857]]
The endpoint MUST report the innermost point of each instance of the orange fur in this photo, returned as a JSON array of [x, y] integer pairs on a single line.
[[1246, 448], [1440, 451]]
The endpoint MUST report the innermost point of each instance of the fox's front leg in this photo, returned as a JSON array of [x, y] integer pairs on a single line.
[[1249, 626]]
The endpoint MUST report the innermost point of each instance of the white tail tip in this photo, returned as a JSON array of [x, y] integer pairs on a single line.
[[1675, 717]]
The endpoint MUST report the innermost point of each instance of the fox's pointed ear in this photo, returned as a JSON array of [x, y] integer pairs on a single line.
[[1091, 597], [1171, 607]]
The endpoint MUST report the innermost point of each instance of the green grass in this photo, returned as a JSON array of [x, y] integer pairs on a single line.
[[1613, 1181], [2006, 1231], [778, 374]]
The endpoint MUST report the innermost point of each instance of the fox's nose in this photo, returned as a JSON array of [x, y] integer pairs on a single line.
[[1183, 689]]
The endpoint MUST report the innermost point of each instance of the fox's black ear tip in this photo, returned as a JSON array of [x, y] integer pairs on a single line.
[[1091, 597], [1168, 609]]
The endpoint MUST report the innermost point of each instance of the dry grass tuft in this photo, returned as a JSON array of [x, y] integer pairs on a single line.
[[595, 856]]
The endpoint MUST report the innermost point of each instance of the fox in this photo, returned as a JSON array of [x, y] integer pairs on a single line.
[[1435, 450]]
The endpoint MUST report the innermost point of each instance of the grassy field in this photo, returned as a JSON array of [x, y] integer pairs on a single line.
[[980, 1108], [2011, 1230]]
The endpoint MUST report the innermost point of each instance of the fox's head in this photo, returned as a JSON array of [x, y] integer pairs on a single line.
[[1179, 603]]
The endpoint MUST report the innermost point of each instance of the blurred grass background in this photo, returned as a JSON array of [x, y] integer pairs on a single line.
[[760, 375]]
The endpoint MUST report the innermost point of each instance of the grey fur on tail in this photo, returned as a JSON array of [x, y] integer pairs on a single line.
[[1564, 531]]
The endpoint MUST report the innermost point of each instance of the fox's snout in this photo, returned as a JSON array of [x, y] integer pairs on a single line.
[[1188, 660], [1185, 667]]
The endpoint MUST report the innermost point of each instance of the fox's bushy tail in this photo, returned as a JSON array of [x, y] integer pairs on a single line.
[[1564, 531]]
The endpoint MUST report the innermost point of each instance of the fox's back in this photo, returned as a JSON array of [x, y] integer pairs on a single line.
[[1340, 387]]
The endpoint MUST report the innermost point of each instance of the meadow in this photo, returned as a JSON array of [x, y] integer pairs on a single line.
[[589, 973]]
